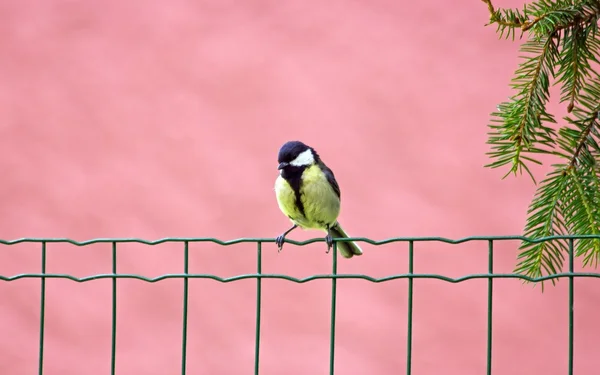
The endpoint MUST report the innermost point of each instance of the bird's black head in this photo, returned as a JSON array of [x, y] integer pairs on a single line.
[[296, 155]]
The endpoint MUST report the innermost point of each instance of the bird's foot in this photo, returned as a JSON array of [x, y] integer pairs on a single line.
[[329, 240], [279, 241]]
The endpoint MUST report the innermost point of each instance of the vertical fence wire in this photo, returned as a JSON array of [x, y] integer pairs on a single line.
[[114, 310], [42, 311], [410, 309], [489, 305], [571, 298], [333, 307], [186, 269], [258, 303]]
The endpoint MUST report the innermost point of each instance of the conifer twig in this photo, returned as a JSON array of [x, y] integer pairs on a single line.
[[582, 141], [527, 23], [563, 45], [494, 17]]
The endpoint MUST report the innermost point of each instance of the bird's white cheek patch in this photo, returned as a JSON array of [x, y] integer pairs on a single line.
[[305, 158]]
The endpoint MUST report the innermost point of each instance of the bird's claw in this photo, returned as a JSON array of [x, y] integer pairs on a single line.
[[329, 240], [279, 241]]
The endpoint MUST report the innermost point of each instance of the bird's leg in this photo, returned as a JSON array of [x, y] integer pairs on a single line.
[[328, 239], [279, 239]]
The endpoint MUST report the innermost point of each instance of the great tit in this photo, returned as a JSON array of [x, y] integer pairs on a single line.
[[309, 195]]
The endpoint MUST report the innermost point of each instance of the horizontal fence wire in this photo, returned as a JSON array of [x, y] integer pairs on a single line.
[[333, 276]]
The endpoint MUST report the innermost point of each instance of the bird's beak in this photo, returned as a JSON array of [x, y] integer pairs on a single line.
[[282, 165]]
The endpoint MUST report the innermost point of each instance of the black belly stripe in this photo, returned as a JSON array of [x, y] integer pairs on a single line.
[[293, 175], [295, 184]]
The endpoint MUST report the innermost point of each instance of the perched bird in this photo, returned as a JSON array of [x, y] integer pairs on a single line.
[[309, 195]]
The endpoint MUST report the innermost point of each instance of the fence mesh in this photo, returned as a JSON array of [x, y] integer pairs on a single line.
[[333, 276]]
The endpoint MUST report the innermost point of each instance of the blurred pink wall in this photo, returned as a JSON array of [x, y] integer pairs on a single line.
[[156, 119]]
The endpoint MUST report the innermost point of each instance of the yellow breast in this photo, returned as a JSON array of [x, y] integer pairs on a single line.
[[286, 198], [321, 204]]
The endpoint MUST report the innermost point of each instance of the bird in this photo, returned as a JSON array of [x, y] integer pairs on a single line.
[[309, 195]]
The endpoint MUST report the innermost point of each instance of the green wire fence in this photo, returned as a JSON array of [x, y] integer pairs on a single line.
[[333, 276]]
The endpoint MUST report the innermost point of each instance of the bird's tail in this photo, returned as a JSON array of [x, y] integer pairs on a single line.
[[347, 249]]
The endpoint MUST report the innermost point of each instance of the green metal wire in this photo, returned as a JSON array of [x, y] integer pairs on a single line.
[[301, 280], [113, 350], [489, 306], [334, 276], [258, 303], [333, 311], [301, 243], [410, 309], [42, 310], [186, 269], [571, 298]]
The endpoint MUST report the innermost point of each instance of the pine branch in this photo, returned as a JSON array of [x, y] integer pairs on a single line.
[[552, 17], [581, 142], [568, 200], [580, 47], [581, 138], [563, 44], [545, 219], [507, 19], [583, 209], [548, 17], [582, 213], [519, 125]]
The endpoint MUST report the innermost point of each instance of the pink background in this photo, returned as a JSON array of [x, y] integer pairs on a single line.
[[156, 119]]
